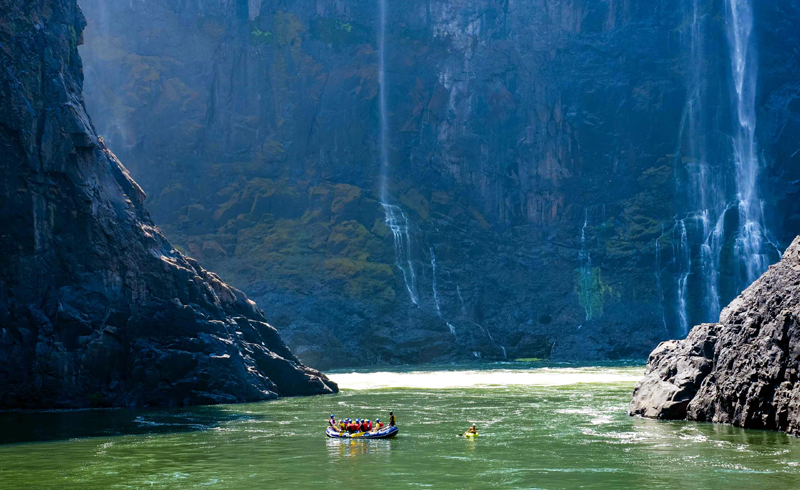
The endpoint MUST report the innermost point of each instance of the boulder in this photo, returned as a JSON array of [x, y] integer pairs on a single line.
[[741, 371]]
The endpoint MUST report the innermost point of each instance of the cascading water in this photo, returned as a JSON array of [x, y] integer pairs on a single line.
[[384, 109], [586, 281], [433, 284], [751, 240], [397, 221], [436, 295], [683, 282], [712, 183], [701, 185], [659, 288], [461, 301]]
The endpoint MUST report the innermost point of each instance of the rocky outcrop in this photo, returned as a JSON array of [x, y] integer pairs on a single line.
[[96, 307], [742, 370]]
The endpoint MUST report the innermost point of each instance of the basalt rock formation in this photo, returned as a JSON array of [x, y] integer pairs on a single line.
[[560, 164], [743, 370], [96, 307]]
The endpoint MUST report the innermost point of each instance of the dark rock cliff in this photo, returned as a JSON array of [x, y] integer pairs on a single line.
[[539, 150], [743, 370], [96, 307]]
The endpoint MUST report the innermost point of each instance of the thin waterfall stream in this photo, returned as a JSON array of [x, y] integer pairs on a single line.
[[395, 218]]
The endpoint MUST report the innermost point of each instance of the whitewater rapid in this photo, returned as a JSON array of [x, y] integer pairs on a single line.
[[486, 378]]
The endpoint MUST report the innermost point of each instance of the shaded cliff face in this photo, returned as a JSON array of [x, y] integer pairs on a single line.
[[741, 371], [535, 153], [96, 307]]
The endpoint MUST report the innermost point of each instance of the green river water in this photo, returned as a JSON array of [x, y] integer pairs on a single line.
[[554, 427]]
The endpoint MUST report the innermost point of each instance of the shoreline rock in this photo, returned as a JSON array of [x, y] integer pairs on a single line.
[[741, 371]]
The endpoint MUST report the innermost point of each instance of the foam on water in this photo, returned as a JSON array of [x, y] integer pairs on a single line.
[[488, 379]]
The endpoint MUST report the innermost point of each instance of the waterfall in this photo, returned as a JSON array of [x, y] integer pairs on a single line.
[[712, 183], [433, 284], [751, 237], [436, 294], [710, 252], [586, 282], [397, 221], [659, 288], [452, 330], [701, 185], [461, 301], [683, 281], [384, 130]]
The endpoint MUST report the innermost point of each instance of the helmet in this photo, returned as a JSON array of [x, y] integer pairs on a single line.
[[391, 413], [367, 420], [377, 420], [332, 416]]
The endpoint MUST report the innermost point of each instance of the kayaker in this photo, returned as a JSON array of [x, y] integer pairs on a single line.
[[472, 430], [392, 420]]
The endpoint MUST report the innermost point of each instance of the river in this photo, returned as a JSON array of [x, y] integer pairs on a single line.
[[541, 426]]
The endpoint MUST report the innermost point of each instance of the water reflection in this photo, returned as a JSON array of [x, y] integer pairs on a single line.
[[34, 426], [349, 448]]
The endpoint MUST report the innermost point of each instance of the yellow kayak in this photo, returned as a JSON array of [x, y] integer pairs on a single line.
[[469, 434]]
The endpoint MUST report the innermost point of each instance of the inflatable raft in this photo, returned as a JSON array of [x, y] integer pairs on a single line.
[[384, 433]]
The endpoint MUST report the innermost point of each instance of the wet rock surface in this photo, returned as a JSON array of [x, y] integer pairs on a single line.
[[96, 307], [741, 371]]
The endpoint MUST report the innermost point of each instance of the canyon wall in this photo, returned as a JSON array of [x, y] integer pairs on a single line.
[[97, 309], [560, 172]]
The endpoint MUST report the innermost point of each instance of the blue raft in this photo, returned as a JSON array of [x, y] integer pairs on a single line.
[[384, 433]]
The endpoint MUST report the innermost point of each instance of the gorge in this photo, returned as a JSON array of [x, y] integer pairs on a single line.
[[475, 214]]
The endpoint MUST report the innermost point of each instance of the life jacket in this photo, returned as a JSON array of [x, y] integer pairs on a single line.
[[380, 425], [364, 427], [369, 425], [392, 421], [332, 422]]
